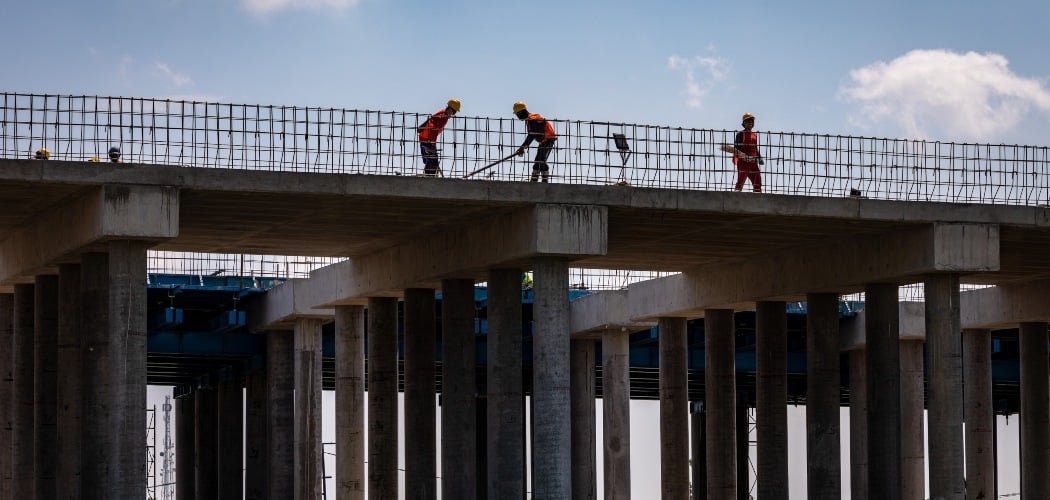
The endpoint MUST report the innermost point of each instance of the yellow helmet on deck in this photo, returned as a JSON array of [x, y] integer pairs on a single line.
[[519, 107], [43, 154]]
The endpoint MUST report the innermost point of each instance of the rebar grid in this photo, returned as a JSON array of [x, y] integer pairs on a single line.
[[915, 292], [235, 264], [305, 139]]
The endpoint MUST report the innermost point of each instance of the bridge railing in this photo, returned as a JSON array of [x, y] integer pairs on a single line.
[[308, 139]]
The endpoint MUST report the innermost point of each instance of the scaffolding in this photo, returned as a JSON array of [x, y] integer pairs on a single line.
[[151, 452]]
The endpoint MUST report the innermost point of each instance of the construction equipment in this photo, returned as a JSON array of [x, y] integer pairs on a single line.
[[490, 165]]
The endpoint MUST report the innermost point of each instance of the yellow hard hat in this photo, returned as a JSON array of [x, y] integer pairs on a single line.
[[519, 106], [747, 116], [43, 154], [454, 104], [94, 159]]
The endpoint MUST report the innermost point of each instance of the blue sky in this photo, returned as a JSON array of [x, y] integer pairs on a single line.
[[944, 70]]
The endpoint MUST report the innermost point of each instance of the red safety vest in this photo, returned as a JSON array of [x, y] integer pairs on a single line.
[[431, 129], [548, 129]]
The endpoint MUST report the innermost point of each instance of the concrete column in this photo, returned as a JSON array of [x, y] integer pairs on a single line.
[[420, 410], [913, 437], [459, 389], [944, 360], [185, 448], [1035, 411], [256, 463], [206, 447], [978, 415], [720, 403], [350, 402], [280, 384], [506, 402], [99, 354], [127, 329], [882, 327], [45, 378], [699, 453], [382, 399], [69, 388], [481, 452], [307, 419], [22, 466], [823, 455], [616, 414], [550, 375], [674, 408], [230, 457], [581, 396], [771, 399], [858, 423], [7, 310], [743, 449]]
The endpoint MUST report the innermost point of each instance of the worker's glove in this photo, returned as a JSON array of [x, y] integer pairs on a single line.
[[521, 151], [760, 162]]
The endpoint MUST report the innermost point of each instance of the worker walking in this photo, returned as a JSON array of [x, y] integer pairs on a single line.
[[537, 128], [746, 142], [428, 135]]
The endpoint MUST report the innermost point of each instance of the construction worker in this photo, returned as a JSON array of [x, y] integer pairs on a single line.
[[42, 154], [428, 134], [114, 154], [537, 128], [746, 142]]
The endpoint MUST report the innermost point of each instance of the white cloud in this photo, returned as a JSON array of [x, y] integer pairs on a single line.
[[263, 7], [929, 93], [701, 73], [178, 79]]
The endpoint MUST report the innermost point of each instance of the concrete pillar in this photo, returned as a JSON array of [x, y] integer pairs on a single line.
[[481, 452], [69, 388], [616, 414], [256, 463], [944, 361], [127, 329], [771, 399], [350, 402], [22, 466], [1035, 411], [185, 448], [420, 410], [505, 401], [913, 460], [7, 310], [699, 453], [858, 423], [45, 384], [720, 403], [280, 385], [823, 456], [882, 327], [100, 452], [674, 408], [307, 419], [206, 447], [459, 390], [230, 425], [550, 375], [978, 415], [582, 395], [743, 449], [382, 399]]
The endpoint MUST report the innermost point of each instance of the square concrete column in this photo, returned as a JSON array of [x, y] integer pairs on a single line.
[[674, 408], [256, 463], [1035, 411], [882, 331], [698, 424], [913, 437], [307, 408], [69, 388], [823, 455], [582, 395], [944, 361], [771, 399], [45, 378], [280, 387], [22, 403], [230, 460], [382, 399], [459, 390], [420, 409], [206, 447], [616, 413], [552, 452], [186, 448], [978, 414], [99, 354], [350, 402], [720, 403], [858, 423], [505, 400], [7, 310], [743, 447]]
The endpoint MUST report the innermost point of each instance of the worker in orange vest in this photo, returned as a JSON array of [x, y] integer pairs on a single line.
[[428, 135], [538, 129]]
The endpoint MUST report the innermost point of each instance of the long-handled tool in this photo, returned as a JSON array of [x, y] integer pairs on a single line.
[[490, 165]]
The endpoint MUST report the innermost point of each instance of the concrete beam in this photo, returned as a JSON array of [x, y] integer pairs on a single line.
[[1005, 306], [594, 314], [284, 303], [148, 213], [843, 266]]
